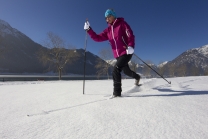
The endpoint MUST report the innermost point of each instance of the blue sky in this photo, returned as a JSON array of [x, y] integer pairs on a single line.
[[163, 29]]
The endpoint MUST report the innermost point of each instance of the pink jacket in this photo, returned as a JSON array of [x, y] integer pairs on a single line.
[[119, 35]]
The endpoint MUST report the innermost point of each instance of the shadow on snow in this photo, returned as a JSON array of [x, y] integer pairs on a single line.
[[174, 93]]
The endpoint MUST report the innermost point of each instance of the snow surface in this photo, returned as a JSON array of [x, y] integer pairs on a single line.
[[6, 29], [4, 23], [59, 110], [162, 64], [204, 50]]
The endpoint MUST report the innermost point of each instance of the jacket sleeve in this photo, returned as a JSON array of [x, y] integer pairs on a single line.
[[129, 35], [98, 37]]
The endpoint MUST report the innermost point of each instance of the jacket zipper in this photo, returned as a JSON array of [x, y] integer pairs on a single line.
[[114, 38]]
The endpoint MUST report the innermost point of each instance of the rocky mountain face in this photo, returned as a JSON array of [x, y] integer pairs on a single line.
[[197, 57], [189, 63], [18, 51], [18, 54]]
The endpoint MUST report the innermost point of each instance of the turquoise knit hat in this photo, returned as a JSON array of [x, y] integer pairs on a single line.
[[110, 12]]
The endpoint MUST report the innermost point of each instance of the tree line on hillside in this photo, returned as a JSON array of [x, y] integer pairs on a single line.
[[173, 70], [56, 54]]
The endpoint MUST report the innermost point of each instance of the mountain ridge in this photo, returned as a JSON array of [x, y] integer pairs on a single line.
[[20, 55]]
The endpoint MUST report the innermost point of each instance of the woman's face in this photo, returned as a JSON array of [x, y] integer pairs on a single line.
[[110, 19]]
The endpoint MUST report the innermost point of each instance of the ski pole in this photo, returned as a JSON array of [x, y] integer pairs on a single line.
[[85, 60], [149, 66], [152, 69]]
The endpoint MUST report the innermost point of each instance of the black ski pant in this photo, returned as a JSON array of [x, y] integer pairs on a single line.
[[122, 65]]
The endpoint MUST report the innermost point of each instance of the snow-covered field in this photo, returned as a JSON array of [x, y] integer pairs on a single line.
[[59, 110]]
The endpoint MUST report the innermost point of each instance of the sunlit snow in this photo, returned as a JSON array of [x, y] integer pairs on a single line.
[[59, 110]]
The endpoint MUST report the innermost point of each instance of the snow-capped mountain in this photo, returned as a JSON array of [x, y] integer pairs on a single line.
[[191, 62], [203, 50], [6, 29], [20, 54], [196, 56]]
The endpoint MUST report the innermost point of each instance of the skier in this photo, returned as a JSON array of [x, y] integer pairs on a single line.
[[121, 38]]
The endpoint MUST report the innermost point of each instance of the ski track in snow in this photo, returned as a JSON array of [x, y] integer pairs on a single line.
[[59, 110]]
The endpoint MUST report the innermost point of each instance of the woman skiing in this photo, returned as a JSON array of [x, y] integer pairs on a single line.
[[121, 38]]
